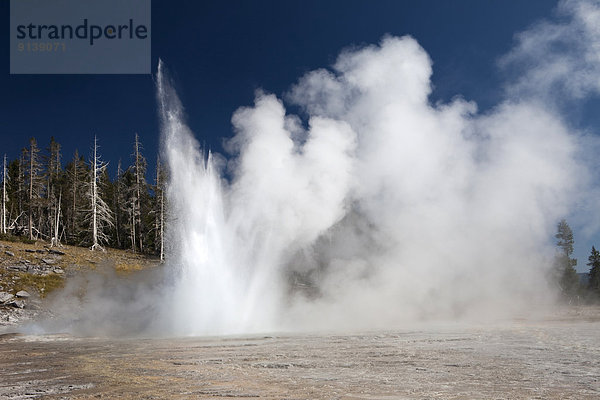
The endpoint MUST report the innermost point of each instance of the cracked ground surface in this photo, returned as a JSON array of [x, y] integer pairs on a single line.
[[551, 359]]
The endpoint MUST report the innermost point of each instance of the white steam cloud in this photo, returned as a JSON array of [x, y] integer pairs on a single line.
[[383, 209], [378, 208], [561, 58]]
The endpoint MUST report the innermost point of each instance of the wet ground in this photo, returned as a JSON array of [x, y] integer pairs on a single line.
[[551, 359]]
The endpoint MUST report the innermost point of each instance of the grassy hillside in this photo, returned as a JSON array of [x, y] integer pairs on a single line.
[[40, 269]]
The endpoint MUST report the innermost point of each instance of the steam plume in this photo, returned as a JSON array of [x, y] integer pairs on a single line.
[[382, 209], [374, 208]]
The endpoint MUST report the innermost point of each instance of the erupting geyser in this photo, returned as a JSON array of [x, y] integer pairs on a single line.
[[379, 208], [210, 284]]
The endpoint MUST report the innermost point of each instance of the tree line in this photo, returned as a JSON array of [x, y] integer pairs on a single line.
[[80, 204], [564, 273]]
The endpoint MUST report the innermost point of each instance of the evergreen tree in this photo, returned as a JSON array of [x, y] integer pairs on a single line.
[[77, 173], [35, 188], [41, 199], [127, 201], [119, 201], [568, 280], [54, 178], [564, 235], [594, 264], [140, 192], [158, 209], [16, 214], [22, 191]]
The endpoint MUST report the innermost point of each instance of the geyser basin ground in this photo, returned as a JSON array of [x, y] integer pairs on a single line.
[[550, 359]]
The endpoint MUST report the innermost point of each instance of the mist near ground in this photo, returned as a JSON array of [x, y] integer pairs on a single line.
[[373, 208]]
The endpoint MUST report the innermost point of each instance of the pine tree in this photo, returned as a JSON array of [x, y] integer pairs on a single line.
[[564, 234], [126, 199], [568, 280], [140, 193], [35, 187], [15, 197], [594, 264], [22, 192], [53, 181], [81, 204], [77, 178], [118, 206]]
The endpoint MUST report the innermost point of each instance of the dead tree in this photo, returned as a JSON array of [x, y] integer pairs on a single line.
[[53, 169], [4, 195], [56, 238], [21, 192], [100, 215], [139, 170], [133, 222], [159, 209]]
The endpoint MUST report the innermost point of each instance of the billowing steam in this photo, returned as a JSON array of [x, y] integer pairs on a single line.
[[382, 209], [374, 207]]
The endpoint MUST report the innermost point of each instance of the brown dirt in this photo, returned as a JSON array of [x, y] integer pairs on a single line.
[[36, 269], [551, 359], [74, 260]]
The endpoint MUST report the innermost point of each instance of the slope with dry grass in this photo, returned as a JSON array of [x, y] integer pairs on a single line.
[[40, 269]]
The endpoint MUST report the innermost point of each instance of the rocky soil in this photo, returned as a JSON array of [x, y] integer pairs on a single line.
[[550, 359], [37, 269]]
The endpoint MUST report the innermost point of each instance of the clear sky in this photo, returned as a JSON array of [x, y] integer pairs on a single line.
[[220, 52]]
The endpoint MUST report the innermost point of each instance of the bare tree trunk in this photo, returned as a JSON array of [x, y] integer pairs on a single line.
[[100, 215], [95, 198], [20, 183], [35, 187], [52, 172], [133, 220], [49, 210], [31, 195], [159, 210], [4, 196], [139, 169], [162, 225], [55, 239], [74, 214], [117, 204]]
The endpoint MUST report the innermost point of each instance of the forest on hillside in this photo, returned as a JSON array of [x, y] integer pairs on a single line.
[[80, 204]]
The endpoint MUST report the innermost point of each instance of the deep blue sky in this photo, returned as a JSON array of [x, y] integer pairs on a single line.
[[220, 52]]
